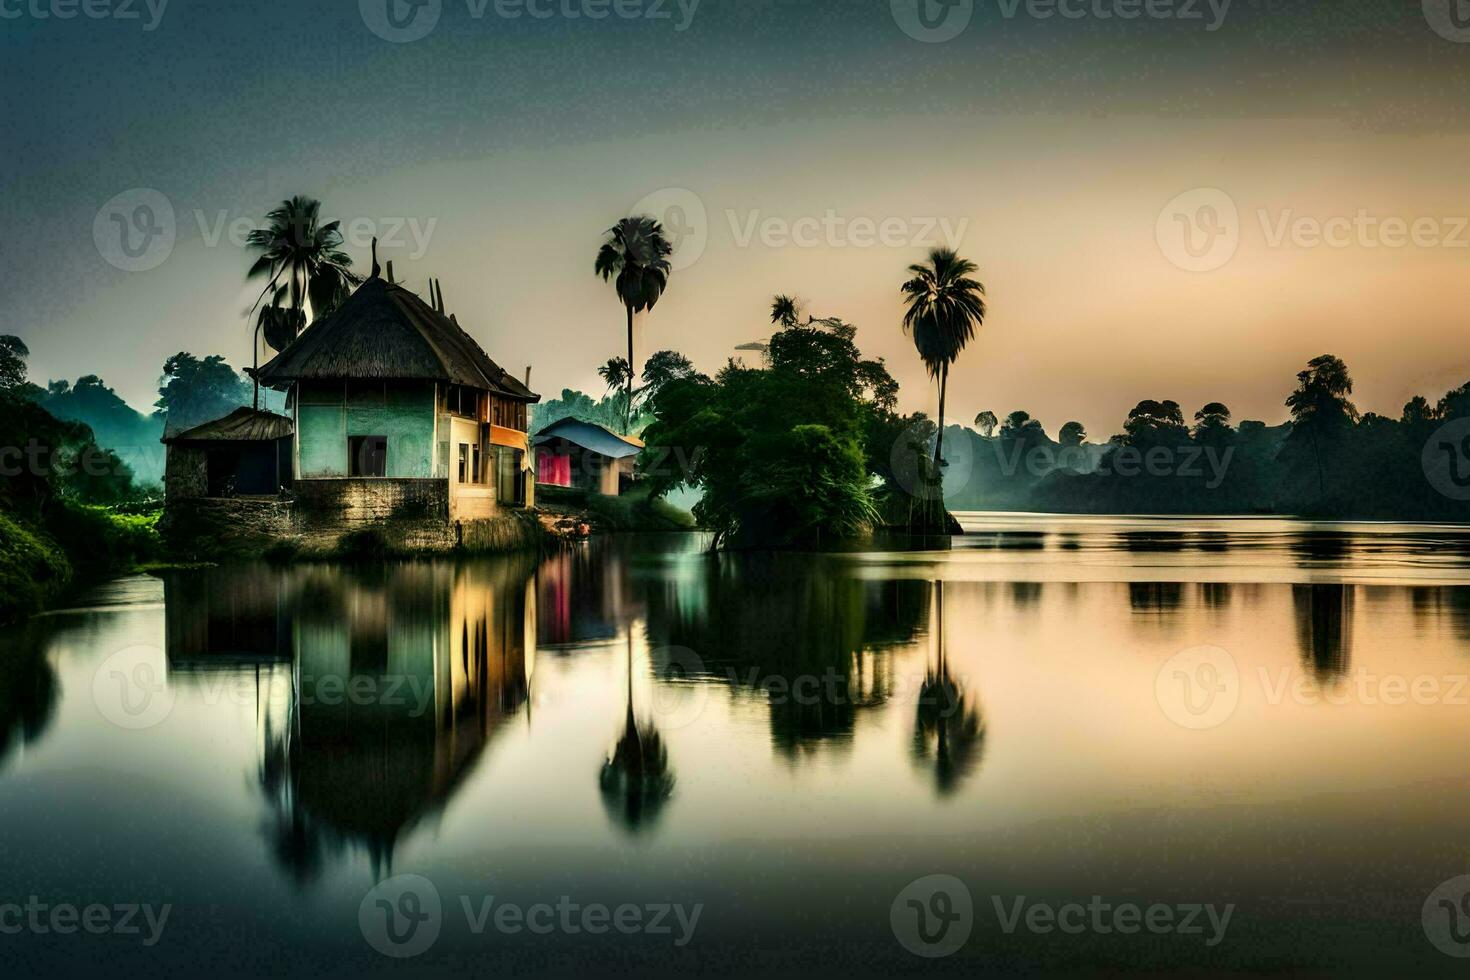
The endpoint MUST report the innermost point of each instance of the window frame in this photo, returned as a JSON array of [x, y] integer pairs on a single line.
[[357, 446]]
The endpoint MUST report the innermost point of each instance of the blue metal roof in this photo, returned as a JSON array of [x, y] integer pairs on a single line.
[[591, 436]]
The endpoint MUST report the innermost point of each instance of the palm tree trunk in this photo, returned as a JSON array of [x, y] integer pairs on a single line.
[[628, 404], [939, 589], [939, 441]]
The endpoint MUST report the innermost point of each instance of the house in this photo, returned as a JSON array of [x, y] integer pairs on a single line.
[[397, 411], [573, 453], [245, 454]]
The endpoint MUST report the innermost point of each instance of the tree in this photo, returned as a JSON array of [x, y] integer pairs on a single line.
[[986, 423], [614, 373], [192, 390], [779, 452], [785, 310], [945, 307], [1072, 434], [303, 262], [661, 368], [635, 258], [13, 355], [1155, 423], [1320, 411], [1419, 418], [1020, 426], [1454, 405], [1212, 424]]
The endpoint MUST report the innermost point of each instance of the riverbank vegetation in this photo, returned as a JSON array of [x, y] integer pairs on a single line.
[[69, 508]]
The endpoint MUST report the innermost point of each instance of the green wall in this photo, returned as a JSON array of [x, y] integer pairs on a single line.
[[327, 417]]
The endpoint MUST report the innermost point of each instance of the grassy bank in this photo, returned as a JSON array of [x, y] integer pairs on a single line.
[[635, 510], [41, 559]]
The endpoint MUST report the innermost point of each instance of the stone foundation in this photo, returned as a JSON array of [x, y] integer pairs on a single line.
[[327, 516], [363, 502]]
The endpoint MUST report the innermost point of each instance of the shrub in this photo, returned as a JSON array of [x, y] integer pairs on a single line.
[[32, 569]]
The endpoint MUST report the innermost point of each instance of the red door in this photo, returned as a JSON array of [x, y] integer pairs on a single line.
[[554, 469]]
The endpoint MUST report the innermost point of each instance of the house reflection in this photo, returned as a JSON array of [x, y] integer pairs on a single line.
[[397, 679], [583, 594]]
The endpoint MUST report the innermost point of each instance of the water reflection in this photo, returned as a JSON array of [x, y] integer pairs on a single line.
[[28, 695], [1324, 623], [866, 725], [1155, 597], [1216, 595], [817, 644], [949, 736], [398, 677], [636, 780]]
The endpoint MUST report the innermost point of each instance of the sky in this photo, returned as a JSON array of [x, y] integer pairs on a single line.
[[1181, 199]]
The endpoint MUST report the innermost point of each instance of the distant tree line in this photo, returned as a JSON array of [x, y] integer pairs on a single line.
[[1327, 461]]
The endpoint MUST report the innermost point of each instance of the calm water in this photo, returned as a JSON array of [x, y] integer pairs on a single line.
[[1246, 713]]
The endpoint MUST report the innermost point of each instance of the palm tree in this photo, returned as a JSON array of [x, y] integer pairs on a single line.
[[785, 310], [635, 257], [945, 308], [615, 374], [305, 265]]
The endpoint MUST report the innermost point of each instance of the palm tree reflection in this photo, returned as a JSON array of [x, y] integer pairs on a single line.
[[949, 734], [636, 780]]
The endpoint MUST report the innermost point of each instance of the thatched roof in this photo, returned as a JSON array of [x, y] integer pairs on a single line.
[[244, 424], [383, 332], [590, 435]]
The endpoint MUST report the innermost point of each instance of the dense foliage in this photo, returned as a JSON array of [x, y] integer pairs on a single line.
[[53, 476], [780, 453]]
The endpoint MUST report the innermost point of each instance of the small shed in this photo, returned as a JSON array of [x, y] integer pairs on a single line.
[[574, 453], [245, 454]]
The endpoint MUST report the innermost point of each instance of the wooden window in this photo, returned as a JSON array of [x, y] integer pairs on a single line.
[[464, 462], [475, 472], [459, 400], [367, 456]]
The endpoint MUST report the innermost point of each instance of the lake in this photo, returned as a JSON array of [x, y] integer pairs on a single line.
[[1055, 745]]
